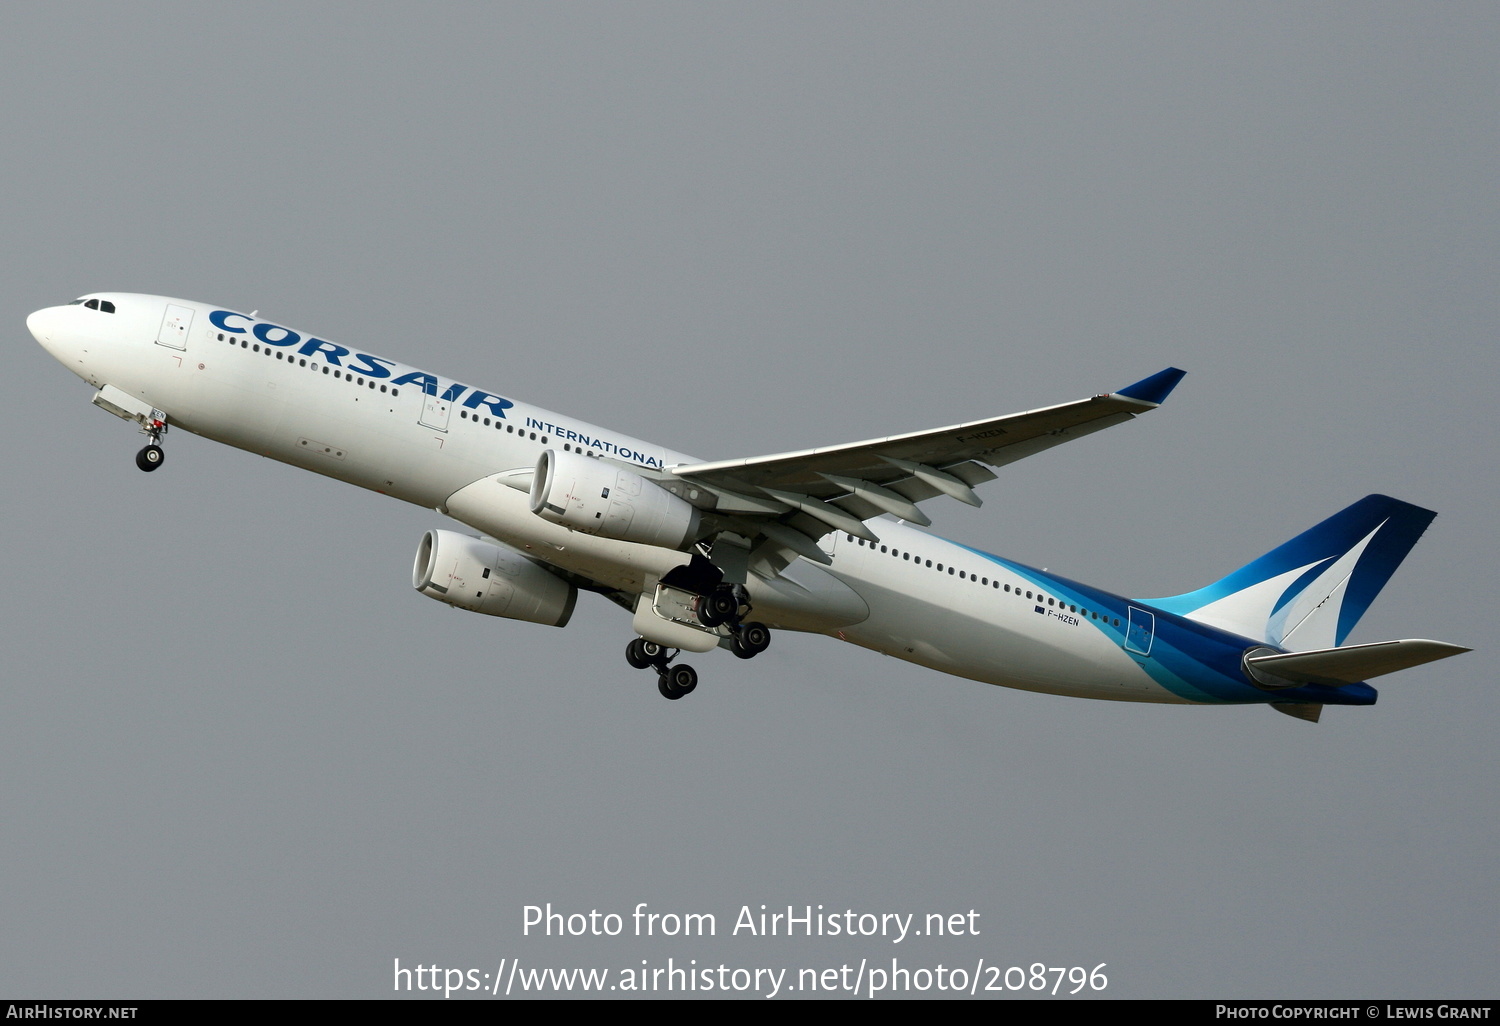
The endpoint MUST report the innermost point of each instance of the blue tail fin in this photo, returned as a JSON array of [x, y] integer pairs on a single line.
[[1310, 592]]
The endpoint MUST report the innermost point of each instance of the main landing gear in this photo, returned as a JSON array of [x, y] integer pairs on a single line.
[[750, 640], [728, 605], [724, 606], [672, 681], [720, 606]]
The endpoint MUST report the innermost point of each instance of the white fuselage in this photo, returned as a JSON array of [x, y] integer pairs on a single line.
[[438, 443]]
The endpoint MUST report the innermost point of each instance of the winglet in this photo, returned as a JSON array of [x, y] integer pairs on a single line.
[[1154, 389]]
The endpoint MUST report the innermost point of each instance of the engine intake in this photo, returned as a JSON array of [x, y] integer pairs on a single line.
[[592, 497], [486, 578]]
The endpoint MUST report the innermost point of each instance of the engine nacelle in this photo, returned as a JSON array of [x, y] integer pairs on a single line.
[[592, 497], [486, 578]]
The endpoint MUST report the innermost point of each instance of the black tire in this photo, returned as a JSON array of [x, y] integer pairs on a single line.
[[655, 653], [722, 605], [636, 656], [755, 637], [708, 616], [740, 650], [664, 685], [684, 679], [149, 458]]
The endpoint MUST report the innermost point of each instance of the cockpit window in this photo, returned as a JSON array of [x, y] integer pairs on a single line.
[[92, 304], [106, 306], [102, 305], [75, 302]]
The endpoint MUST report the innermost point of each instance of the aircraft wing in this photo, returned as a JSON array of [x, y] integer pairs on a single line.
[[789, 500]]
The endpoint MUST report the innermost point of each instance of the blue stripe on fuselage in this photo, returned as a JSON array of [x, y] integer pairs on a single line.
[[1189, 659]]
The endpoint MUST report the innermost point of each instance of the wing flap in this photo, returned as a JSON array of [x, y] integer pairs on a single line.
[[785, 502], [995, 442]]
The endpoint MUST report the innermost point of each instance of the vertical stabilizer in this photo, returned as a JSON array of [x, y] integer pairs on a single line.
[[1310, 592]]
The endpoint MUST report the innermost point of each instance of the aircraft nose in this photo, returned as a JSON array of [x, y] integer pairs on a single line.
[[39, 324], [48, 327]]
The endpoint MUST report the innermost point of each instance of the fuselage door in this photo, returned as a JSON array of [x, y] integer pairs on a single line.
[[174, 327], [435, 412], [1140, 632]]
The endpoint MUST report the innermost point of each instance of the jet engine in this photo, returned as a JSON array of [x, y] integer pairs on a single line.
[[593, 497], [483, 577]]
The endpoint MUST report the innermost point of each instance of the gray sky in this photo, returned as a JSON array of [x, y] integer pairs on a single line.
[[239, 756]]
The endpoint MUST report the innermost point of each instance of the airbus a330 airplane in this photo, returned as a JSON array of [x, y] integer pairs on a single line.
[[711, 555]]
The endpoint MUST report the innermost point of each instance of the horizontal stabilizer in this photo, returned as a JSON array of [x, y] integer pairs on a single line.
[[1353, 664]]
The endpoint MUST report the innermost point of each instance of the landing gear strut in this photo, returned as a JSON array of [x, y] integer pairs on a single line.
[[748, 641], [151, 457], [716, 606]]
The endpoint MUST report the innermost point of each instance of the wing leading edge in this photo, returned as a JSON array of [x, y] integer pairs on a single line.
[[784, 502]]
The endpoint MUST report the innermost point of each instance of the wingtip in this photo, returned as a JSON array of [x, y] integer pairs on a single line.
[[1154, 389]]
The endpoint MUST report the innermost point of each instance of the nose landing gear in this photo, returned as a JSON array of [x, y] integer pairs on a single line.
[[153, 422], [149, 458]]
